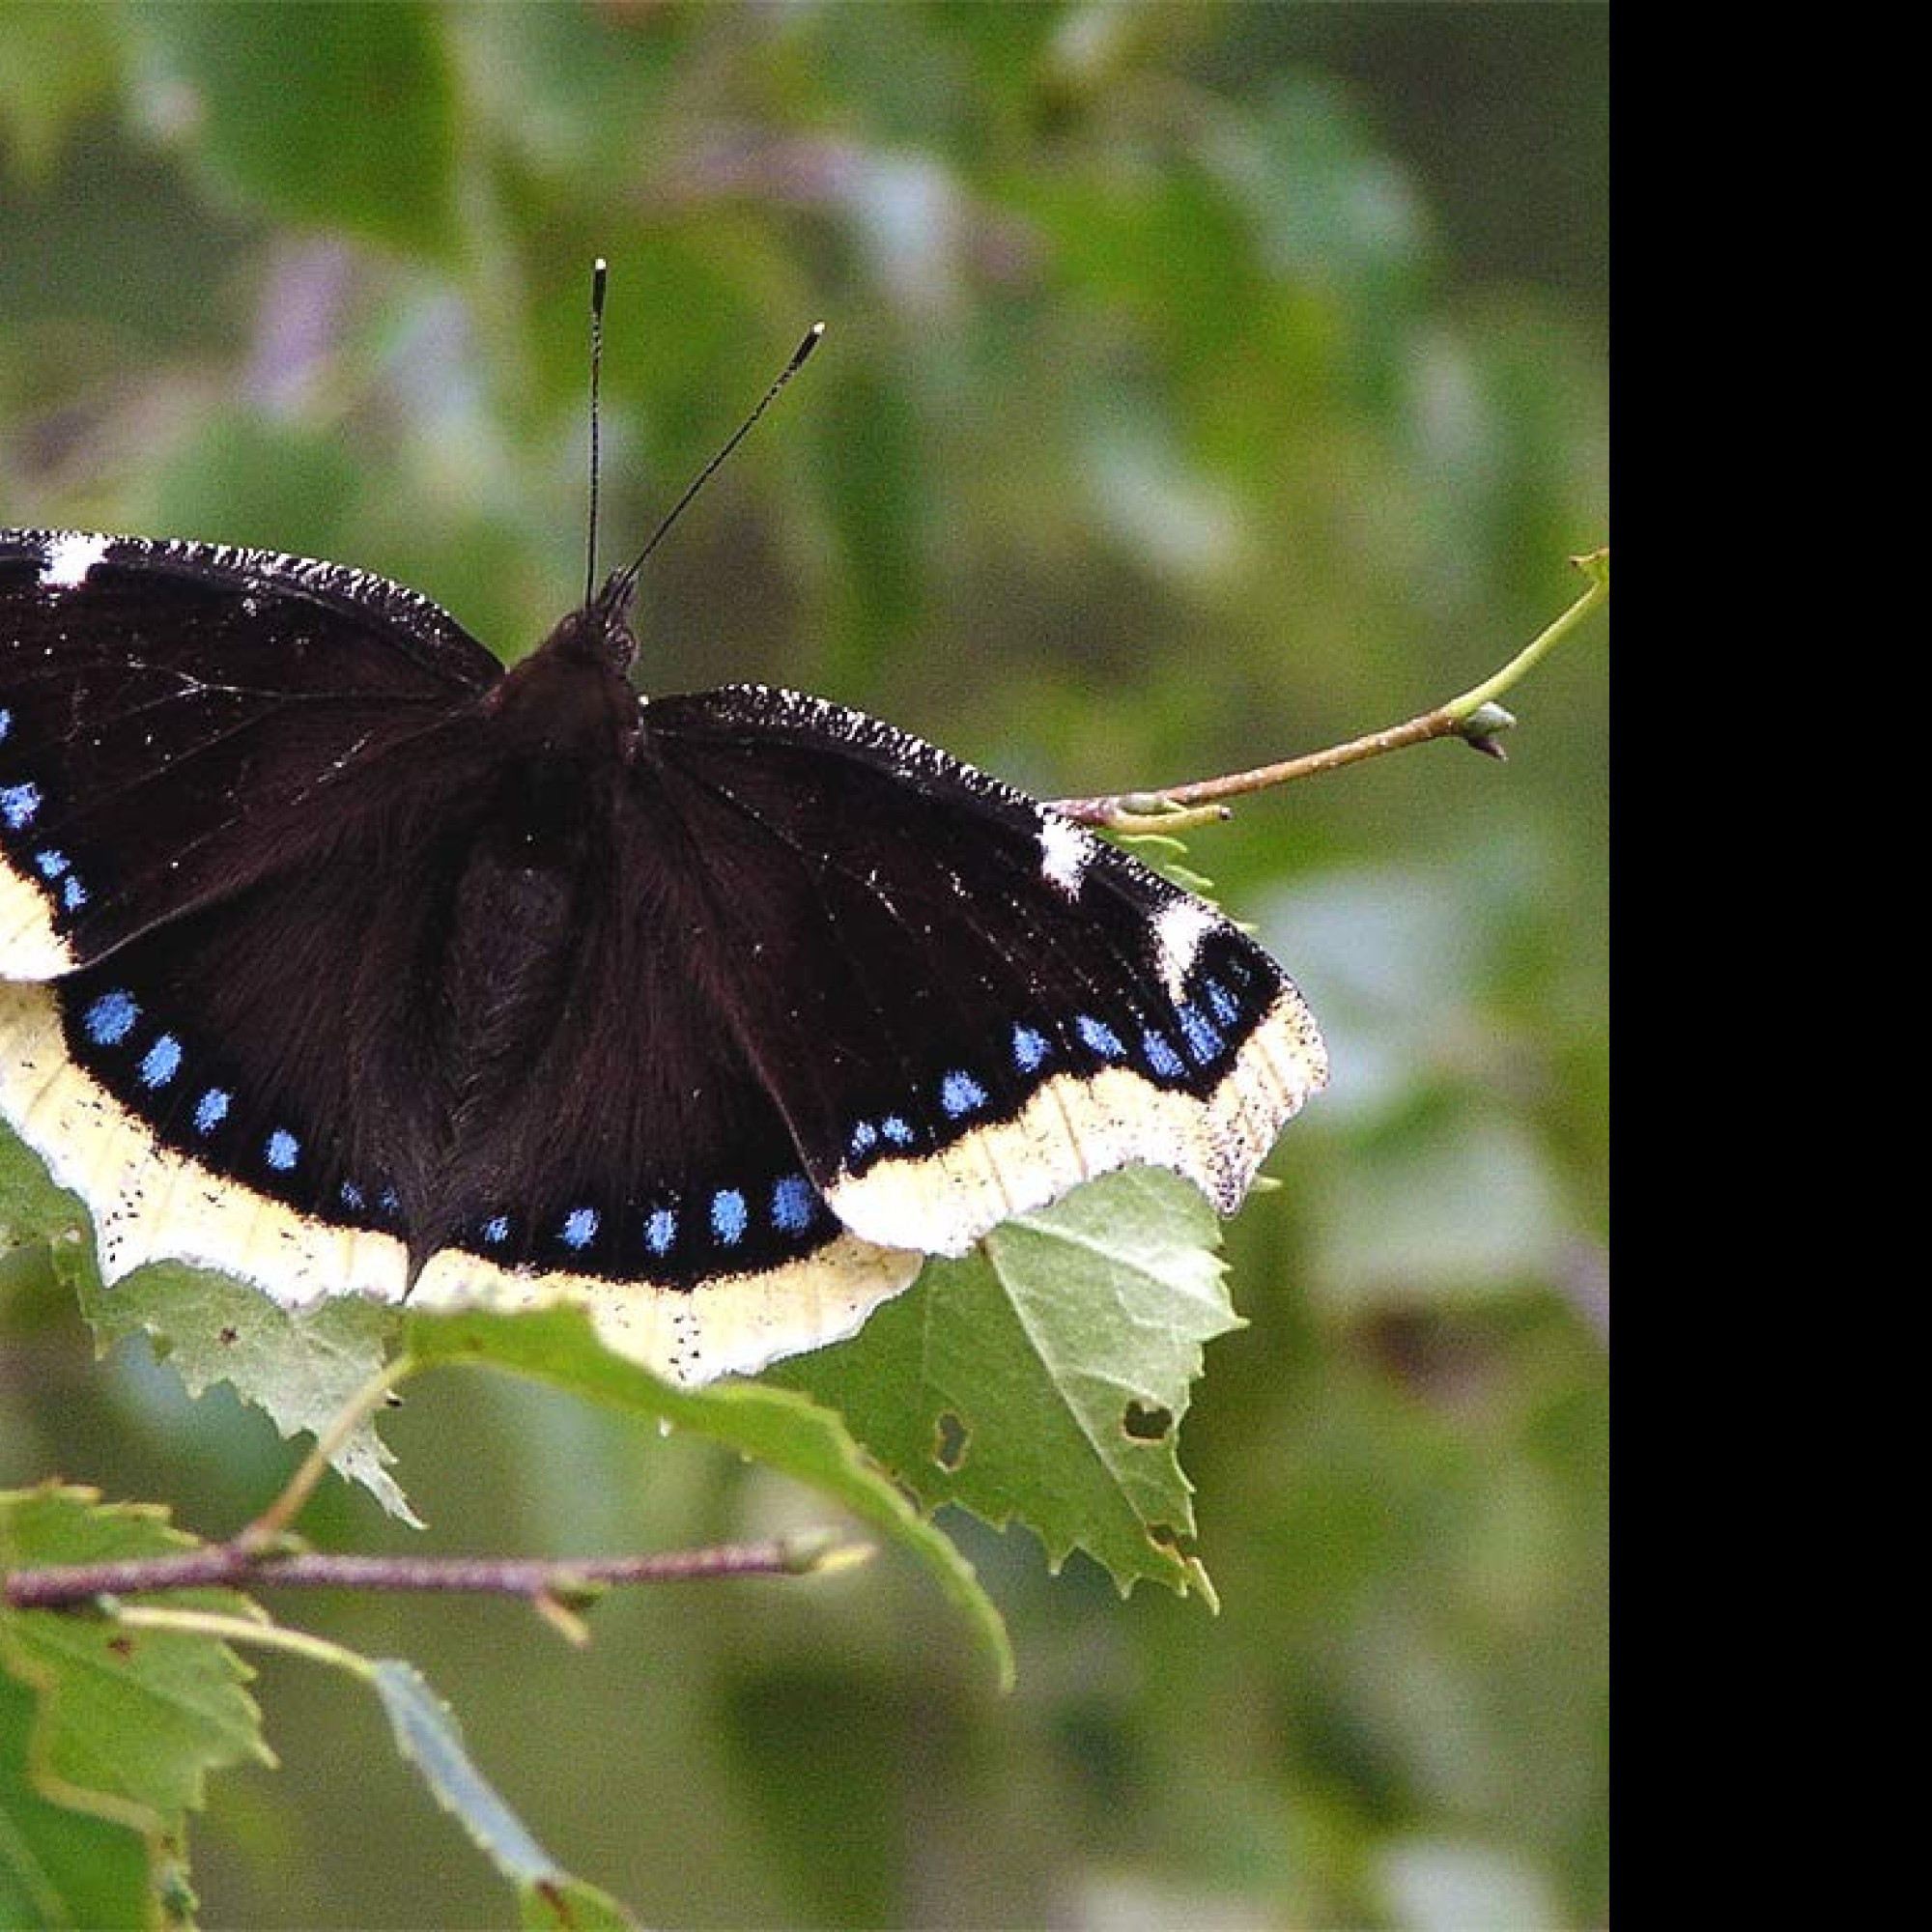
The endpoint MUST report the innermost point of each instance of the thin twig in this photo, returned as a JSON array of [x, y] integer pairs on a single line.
[[1475, 716], [267, 1529], [56, 1585]]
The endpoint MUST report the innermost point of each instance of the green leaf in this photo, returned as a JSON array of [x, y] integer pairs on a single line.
[[130, 1722], [31, 1208], [61, 1867], [428, 1736], [340, 116], [302, 1366], [779, 1428], [1044, 1377]]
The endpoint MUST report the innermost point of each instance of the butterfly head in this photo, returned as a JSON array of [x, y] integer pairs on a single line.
[[600, 630]]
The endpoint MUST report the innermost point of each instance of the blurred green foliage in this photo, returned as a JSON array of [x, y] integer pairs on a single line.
[[1202, 383]]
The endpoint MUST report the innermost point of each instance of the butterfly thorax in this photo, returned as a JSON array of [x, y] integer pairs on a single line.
[[528, 870], [569, 701]]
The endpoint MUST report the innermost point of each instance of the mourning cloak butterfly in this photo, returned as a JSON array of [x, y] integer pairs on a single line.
[[341, 958]]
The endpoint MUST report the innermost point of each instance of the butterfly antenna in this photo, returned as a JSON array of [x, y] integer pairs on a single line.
[[711, 469], [600, 276]]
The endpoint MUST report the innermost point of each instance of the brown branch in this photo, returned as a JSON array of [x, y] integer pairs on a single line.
[[537, 1579], [1174, 808], [1474, 716]]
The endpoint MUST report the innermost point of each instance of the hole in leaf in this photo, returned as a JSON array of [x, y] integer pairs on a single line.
[[950, 1440], [1145, 1423]]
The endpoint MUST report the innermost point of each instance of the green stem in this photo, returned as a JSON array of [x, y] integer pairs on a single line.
[[243, 1630], [1595, 566], [1178, 807], [272, 1524]]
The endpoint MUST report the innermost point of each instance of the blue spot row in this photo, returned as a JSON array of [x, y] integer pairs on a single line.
[[962, 1095], [52, 865], [792, 1207], [894, 1130], [19, 803], [111, 1020]]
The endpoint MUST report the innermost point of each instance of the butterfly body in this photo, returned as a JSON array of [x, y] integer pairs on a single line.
[[342, 958]]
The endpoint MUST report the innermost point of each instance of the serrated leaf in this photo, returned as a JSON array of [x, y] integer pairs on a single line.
[[429, 1738], [367, 140], [1044, 1377], [60, 1867], [780, 1429], [130, 1722], [31, 1208], [302, 1366]]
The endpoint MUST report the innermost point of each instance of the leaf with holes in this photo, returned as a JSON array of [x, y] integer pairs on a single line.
[[1044, 1377]]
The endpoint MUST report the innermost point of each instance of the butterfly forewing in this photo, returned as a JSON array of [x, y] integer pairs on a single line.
[[178, 719]]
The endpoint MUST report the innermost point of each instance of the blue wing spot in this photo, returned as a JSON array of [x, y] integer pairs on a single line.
[[281, 1150], [793, 1200], [74, 895], [959, 1093], [1029, 1049], [161, 1061], [1204, 1041], [496, 1230], [1227, 1009], [661, 1230], [210, 1110], [51, 864], [897, 1129], [111, 1018], [1101, 1038], [580, 1228], [387, 1200], [353, 1197], [730, 1217], [1161, 1056], [6, 724], [18, 804], [865, 1138]]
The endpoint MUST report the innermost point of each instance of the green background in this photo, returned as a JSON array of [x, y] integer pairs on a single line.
[[1202, 385]]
